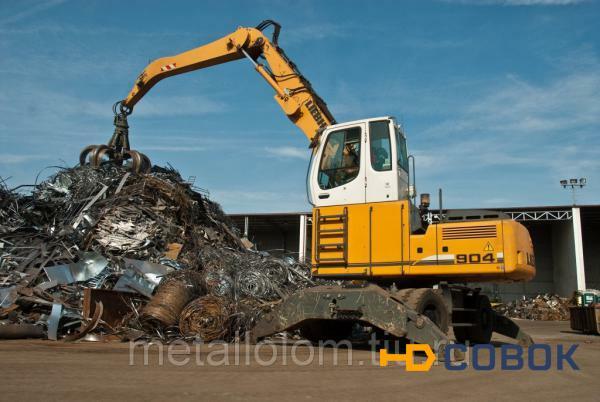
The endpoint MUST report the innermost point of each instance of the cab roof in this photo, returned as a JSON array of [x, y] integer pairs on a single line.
[[347, 123]]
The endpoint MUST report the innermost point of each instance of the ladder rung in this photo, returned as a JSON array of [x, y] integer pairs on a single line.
[[323, 218], [334, 236], [336, 245], [331, 231], [331, 260], [333, 216]]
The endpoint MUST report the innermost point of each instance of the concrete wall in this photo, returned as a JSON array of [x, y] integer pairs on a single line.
[[591, 253], [565, 277]]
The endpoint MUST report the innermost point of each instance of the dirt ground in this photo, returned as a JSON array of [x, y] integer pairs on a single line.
[[45, 370]]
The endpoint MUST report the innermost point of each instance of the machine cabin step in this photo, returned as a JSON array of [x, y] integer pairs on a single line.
[[328, 247], [330, 239]]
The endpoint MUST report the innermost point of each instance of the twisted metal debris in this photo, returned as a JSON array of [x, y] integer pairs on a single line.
[[542, 307], [150, 235]]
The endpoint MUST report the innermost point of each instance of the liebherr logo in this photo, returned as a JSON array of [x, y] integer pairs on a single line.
[[316, 114]]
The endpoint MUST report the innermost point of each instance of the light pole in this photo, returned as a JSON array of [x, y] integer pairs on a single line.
[[574, 183]]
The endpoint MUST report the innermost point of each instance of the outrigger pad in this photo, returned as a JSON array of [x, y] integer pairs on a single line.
[[507, 327], [369, 304]]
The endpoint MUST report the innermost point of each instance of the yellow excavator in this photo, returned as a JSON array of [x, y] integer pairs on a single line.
[[403, 268]]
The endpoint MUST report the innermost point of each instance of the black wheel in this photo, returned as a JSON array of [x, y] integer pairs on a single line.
[[428, 302], [484, 322], [482, 318], [461, 334], [326, 330]]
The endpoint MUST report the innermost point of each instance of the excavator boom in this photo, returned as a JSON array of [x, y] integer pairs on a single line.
[[293, 92]]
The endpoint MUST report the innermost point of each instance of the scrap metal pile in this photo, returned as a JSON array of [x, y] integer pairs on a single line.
[[542, 307], [105, 252]]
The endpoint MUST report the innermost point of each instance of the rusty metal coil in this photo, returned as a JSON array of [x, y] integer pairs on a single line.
[[165, 306], [207, 317]]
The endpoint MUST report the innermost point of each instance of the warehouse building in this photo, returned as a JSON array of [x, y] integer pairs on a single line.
[[566, 242]]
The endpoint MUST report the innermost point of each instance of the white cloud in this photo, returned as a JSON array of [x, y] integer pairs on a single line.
[[288, 152], [309, 32], [39, 103], [38, 110], [62, 28], [479, 139], [13, 159], [517, 136], [518, 108], [39, 7]]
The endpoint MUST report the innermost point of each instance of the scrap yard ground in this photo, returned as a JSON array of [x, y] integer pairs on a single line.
[[84, 371]]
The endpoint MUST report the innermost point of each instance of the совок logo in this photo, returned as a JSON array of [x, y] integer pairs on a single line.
[[483, 357]]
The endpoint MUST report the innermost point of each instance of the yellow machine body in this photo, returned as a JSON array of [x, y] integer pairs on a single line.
[[374, 240]]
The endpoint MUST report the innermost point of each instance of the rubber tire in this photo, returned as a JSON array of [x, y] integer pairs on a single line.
[[461, 334], [484, 324], [325, 330], [428, 302], [482, 331]]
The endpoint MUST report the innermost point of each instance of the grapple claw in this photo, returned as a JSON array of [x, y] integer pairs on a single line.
[[140, 163], [117, 150], [85, 152], [146, 165], [99, 152], [136, 160]]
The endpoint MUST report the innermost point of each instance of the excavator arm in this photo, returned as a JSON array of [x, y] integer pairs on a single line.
[[293, 92]]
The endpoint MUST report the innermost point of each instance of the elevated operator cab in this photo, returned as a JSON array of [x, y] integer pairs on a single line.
[[366, 225]]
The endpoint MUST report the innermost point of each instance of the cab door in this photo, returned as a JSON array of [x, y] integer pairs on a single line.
[[337, 175], [386, 214], [381, 176]]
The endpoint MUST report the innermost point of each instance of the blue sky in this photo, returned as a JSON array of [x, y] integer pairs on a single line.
[[500, 99]]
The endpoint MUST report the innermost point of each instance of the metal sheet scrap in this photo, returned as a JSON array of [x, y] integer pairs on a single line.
[[90, 265], [150, 236]]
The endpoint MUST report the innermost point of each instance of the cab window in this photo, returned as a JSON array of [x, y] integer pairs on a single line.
[[340, 162], [401, 151], [381, 149]]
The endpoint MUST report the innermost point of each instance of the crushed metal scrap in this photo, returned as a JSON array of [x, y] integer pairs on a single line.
[[103, 253], [542, 308]]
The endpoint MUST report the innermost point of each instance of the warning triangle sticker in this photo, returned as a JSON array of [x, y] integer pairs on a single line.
[[488, 247]]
